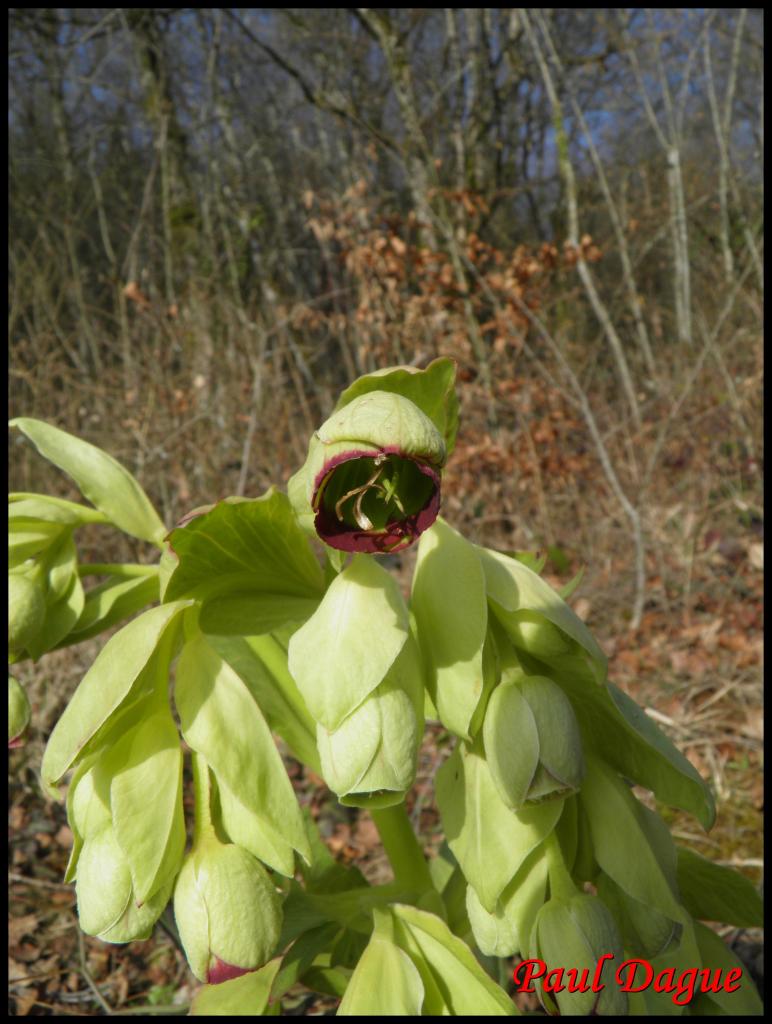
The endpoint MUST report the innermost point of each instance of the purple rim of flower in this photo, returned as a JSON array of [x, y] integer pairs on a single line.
[[395, 535], [222, 971]]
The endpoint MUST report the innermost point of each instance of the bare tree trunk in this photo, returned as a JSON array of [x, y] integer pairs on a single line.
[[616, 221], [419, 162], [569, 184]]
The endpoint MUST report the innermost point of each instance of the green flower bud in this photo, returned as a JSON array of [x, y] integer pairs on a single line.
[[370, 759], [18, 712], [26, 611], [372, 474], [573, 934], [532, 741], [106, 904], [227, 910], [536, 635]]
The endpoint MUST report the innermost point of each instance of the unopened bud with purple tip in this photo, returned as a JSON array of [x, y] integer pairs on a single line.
[[228, 911]]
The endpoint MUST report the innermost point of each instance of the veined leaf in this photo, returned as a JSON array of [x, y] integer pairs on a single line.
[[261, 662], [711, 892], [244, 546], [513, 587]]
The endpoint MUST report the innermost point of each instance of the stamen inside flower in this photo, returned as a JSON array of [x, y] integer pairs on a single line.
[[376, 501]]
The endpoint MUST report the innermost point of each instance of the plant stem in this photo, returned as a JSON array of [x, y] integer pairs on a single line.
[[402, 848], [561, 883], [125, 570], [202, 824]]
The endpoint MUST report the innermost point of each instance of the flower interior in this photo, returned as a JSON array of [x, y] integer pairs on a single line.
[[386, 498]]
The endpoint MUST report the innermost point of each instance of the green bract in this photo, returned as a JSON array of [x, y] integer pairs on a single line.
[[574, 934], [240, 635], [532, 741], [26, 611], [18, 711], [107, 901]]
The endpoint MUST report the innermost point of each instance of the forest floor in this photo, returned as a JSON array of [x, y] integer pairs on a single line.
[[694, 663]]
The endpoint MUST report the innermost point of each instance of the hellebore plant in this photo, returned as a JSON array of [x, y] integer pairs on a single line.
[[275, 615]]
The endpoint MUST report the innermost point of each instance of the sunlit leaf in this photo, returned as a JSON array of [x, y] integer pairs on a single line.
[[100, 478], [351, 641]]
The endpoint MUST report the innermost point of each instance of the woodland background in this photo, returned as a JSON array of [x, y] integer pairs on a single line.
[[220, 217]]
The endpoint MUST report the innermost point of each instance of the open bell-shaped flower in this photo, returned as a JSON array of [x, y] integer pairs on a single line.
[[372, 476]]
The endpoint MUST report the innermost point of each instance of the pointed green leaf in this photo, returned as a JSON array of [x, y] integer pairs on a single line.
[[370, 759], [646, 931], [221, 720], [246, 828], [109, 603], [351, 641], [253, 614], [105, 686], [448, 601], [262, 663], [455, 984], [513, 587], [50, 509], [506, 931], [621, 732], [712, 892], [100, 478], [240, 546], [716, 955], [247, 996], [488, 839], [621, 841], [385, 982]]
